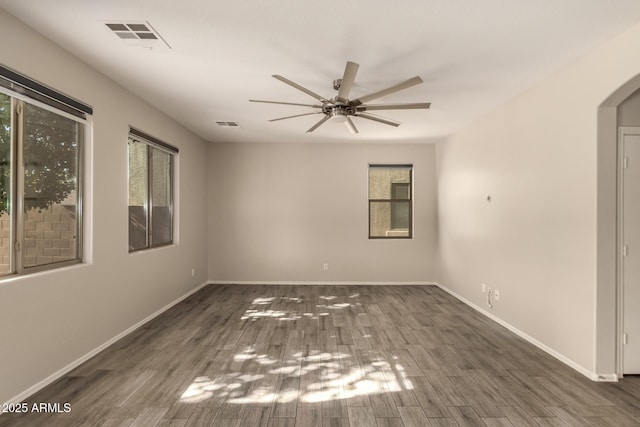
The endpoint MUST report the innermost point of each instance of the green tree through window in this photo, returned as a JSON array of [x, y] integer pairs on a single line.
[[50, 156], [5, 152]]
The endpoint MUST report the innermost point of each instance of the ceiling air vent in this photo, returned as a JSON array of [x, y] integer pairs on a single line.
[[138, 34], [228, 124]]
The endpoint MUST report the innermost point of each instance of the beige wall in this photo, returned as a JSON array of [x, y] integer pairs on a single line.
[[278, 212], [537, 240], [51, 319]]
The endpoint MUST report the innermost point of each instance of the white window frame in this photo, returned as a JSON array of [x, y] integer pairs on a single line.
[[391, 235]]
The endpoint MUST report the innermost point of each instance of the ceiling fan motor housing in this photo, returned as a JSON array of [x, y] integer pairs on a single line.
[[338, 110]]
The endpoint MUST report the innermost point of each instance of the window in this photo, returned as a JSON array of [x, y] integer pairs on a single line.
[[390, 209], [41, 146], [150, 192]]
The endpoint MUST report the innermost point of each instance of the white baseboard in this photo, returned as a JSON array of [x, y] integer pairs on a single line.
[[56, 375], [605, 378], [591, 375], [325, 283]]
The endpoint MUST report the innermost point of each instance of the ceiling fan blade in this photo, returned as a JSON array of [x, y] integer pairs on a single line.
[[297, 115], [411, 106], [348, 78], [286, 103], [349, 124], [395, 88], [378, 119], [300, 88], [317, 125]]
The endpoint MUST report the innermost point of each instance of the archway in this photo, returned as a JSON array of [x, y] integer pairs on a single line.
[[607, 331]]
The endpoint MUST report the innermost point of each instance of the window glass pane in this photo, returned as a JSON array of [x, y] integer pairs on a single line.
[[379, 218], [389, 219], [382, 178], [51, 146], [400, 216], [400, 191], [137, 195], [5, 184], [161, 222]]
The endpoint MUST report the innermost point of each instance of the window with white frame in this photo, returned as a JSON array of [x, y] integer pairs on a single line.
[[42, 136], [390, 201], [150, 191]]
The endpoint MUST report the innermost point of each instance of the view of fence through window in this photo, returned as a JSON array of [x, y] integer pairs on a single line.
[[150, 195], [390, 195], [45, 184]]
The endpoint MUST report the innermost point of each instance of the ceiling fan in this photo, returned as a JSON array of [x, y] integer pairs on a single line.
[[342, 108]]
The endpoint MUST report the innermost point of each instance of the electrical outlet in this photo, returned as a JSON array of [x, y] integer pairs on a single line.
[[496, 294], [193, 272], [484, 288], [325, 266]]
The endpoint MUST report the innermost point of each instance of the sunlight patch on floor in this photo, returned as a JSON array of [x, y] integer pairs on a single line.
[[257, 310], [315, 376], [338, 377]]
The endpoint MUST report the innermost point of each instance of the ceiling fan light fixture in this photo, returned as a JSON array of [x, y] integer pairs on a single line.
[[340, 113]]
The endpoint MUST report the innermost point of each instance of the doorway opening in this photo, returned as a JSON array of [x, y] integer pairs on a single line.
[[628, 220]]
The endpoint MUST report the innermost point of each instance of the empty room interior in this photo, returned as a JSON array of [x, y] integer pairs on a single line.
[[294, 213]]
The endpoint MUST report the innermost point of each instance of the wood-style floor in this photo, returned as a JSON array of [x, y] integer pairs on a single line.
[[328, 356]]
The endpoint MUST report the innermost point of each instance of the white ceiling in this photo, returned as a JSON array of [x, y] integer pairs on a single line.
[[472, 55]]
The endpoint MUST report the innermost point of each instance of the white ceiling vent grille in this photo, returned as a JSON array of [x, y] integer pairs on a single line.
[[228, 124], [138, 34]]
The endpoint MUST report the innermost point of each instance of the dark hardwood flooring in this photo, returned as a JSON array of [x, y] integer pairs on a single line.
[[328, 356]]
